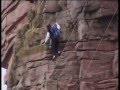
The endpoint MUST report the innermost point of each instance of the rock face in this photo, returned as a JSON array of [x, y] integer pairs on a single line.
[[89, 45]]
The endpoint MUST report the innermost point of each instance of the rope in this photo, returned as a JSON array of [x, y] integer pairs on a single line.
[[101, 39], [71, 32], [98, 46], [70, 36]]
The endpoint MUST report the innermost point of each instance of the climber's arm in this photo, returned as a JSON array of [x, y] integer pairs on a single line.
[[47, 37]]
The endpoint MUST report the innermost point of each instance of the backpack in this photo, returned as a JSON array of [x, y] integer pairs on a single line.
[[55, 32]]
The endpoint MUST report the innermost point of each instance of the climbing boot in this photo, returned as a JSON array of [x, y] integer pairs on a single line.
[[59, 52], [54, 57]]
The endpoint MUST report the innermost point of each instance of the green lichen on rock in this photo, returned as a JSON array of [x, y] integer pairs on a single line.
[[31, 35], [41, 6], [37, 21], [13, 81], [22, 32], [35, 34], [29, 41], [31, 15], [32, 50], [20, 38]]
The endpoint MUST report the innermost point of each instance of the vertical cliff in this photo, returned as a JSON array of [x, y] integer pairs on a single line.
[[89, 45]]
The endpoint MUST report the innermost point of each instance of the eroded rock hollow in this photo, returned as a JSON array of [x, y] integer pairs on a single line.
[[89, 45]]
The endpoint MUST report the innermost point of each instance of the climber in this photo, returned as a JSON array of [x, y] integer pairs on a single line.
[[53, 36], [48, 36]]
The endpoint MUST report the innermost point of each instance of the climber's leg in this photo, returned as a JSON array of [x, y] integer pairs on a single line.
[[53, 49], [50, 44], [57, 46]]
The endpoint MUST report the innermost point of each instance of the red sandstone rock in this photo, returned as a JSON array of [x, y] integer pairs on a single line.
[[86, 85], [96, 55], [33, 69], [96, 70], [115, 64], [5, 4], [52, 7], [14, 18], [110, 83], [63, 4], [97, 45]]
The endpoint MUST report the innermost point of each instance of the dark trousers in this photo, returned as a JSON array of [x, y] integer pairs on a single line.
[[55, 45]]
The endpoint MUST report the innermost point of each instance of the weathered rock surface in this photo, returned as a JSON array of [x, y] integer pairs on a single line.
[[89, 60]]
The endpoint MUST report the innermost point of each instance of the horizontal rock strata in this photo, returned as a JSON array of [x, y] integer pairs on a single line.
[[89, 45]]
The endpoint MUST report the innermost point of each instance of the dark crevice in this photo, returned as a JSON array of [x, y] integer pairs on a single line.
[[7, 6], [10, 10], [4, 28], [16, 23], [8, 55], [32, 1]]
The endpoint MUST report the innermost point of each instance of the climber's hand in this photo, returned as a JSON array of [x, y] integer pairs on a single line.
[[43, 42]]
